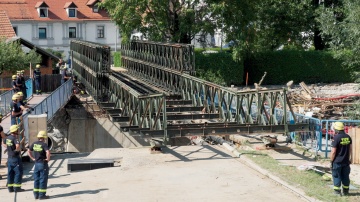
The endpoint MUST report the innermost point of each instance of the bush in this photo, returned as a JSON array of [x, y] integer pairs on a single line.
[[308, 66], [117, 59], [219, 68]]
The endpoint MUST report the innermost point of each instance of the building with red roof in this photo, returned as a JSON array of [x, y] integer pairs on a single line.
[[6, 29], [53, 23]]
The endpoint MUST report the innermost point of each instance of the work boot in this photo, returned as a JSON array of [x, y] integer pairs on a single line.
[[337, 192], [43, 197], [346, 192], [11, 190]]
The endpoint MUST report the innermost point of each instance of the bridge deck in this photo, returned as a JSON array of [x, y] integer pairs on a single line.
[[36, 99], [6, 122]]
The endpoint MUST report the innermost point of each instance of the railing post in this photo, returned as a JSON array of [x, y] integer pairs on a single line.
[[165, 120]]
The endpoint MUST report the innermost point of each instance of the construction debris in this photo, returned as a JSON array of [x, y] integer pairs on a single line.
[[269, 140], [324, 101]]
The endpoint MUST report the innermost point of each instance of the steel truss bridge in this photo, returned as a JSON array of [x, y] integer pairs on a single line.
[[157, 96]]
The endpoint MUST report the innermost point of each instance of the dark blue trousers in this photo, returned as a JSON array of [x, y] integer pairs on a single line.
[[41, 173], [24, 92], [15, 172], [37, 85], [14, 120], [340, 173]]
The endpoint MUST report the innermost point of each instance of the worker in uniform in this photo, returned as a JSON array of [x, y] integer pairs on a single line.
[[24, 106], [18, 80], [41, 171], [23, 89], [59, 66], [15, 109], [15, 167], [2, 137], [341, 159], [64, 76], [37, 79], [14, 85]]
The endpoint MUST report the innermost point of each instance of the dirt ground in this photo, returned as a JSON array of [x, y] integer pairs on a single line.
[[186, 173]]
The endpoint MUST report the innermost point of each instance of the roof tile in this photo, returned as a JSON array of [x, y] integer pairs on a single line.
[[6, 29], [91, 2], [16, 9], [41, 4], [70, 5], [25, 10]]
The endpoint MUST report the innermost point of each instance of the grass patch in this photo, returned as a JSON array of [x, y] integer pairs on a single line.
[[310, 182]]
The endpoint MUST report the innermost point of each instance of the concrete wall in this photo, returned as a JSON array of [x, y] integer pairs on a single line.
[[76, 130], [86, 135]]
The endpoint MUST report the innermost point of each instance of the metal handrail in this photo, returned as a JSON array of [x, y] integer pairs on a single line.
[[51, 104], [6, 98]]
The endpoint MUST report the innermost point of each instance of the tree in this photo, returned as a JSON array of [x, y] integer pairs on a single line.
[[13, 58], [340, 24], [161, 20], [56, 53]]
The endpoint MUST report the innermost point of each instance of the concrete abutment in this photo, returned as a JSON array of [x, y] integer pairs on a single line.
[[78, 128]]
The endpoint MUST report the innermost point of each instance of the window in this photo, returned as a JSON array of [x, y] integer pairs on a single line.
[[72, 32], [95, 8], [72, 12], [42, 33], [43, 12], [15, 30], [100, 31]]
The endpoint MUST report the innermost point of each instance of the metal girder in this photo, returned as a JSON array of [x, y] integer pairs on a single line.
[[179, 57], [230, 130], [91, 64], [256, 106], [133, 104]]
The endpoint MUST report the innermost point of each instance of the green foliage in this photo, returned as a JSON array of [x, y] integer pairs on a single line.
[[159, 20], [56, 53], [219, 68], [117, 59], [13, 58], [310, 182], [340, 24], [286, 65]]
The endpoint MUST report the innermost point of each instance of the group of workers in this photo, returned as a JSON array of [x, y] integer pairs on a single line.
[[18, 81], [38, 151]]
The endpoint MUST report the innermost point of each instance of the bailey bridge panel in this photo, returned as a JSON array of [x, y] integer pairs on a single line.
[[159, 80]]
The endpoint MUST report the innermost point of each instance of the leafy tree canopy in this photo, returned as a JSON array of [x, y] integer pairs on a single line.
[[159, 20], [340, 23], [13, 58]]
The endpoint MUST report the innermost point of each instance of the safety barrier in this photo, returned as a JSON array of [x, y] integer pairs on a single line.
[[328, 131], [317, 129], [6, 98], [51, 104]]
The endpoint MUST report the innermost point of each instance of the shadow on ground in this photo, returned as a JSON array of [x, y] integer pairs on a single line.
[[78, 193]]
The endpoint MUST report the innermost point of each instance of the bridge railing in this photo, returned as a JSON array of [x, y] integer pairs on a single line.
[[51, 104], [6, 98]]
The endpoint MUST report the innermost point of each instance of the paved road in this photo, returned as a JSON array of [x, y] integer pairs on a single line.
[[187, 173]]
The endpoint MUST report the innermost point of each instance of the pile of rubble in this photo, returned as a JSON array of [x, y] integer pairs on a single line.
[[329, 101]]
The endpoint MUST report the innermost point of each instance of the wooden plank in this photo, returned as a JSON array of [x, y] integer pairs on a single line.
[[357, 146], [352, 134], [355, 136]]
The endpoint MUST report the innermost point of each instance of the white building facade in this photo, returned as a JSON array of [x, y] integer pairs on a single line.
[[54, 23]]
